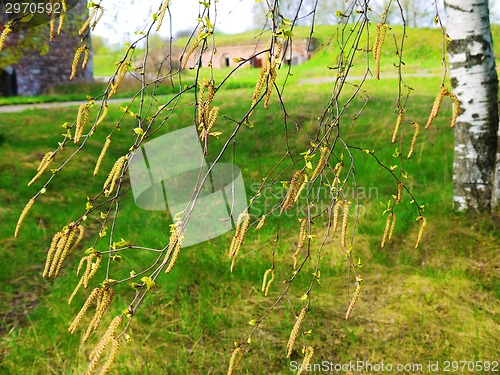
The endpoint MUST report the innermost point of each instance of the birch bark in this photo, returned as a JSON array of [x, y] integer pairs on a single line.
[[476, 175]]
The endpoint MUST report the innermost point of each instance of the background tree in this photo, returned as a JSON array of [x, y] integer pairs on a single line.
[[417, 12], [475, 82]]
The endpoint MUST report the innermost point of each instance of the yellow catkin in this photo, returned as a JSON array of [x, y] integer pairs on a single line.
[[23, 215], [209, 122], [302, 233], [264, 279], [175, 253], [103, 115], [338, 169], [81, 234], [270, 84], [192, 47], [209, 97], [294, 189], [6, 31], [308, 353], [353, 301], [93, 269], [115, 346], [399, 121], [301, 241], [70, 245], [81, 121], [76, 59], [120, 75], [335, 215], [201, 99], [393, 225], [52, 26], [62, 245], [386, 230], [86, 56], [376, 40], [322, 161], [104, 301], [278, 49], [437, 104], [377, 45], [161, 15], [107, 338], [46, 158], [261, 81], [456, 106], [261, 223], [414, 139], [77, 288], [44, 164], [399, 192], [74, 324], [58, 261], [174, 245], [345, 220], [235, 360], [62, 16], [295, 332], [98, 18], [301, 187], [87, 260], [101, 155], [421, 231], [59, 236], [266, 284], [114, 174], [241, 227], [90, 269], [214, 112], [87, 21], [58, 253], [99, 349]]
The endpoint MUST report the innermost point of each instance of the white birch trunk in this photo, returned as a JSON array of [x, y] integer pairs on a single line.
[[474, 80]]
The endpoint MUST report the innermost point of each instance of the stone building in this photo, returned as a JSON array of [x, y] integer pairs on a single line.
[[35, 73], [226, 53]]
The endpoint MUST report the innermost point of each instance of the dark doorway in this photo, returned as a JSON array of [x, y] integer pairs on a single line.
[[256, 62], [8, 82]]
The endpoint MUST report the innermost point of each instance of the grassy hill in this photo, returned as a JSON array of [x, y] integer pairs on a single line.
[[435, 303], [422, 54]]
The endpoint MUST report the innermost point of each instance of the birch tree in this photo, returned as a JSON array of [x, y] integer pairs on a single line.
[[474, 80]]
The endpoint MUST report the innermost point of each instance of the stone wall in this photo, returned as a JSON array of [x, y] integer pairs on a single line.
[[36, 73]]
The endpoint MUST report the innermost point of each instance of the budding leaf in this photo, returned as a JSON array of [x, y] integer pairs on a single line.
[[149, 283]]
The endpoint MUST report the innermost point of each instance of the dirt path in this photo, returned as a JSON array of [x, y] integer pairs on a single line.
[[319, 80], [24, 107]]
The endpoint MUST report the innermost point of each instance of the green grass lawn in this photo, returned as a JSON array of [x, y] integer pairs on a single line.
[[435, 303]]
